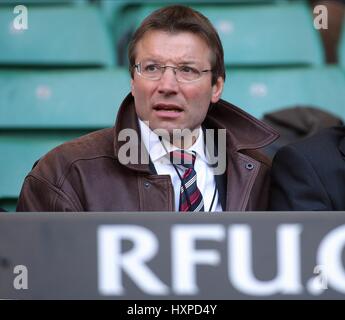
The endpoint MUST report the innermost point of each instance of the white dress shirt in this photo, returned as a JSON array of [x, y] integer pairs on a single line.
[[205, 176]]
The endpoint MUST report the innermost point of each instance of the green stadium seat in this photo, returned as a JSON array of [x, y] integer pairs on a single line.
[[73, 99], [63, 36], [19, 151], [167, 2], [8, 204], [111, 8], [260, 91], [268, 35], [41, 2], [260, 35]]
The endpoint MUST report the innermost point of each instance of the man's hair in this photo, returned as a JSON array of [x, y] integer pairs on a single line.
[[175, 19]]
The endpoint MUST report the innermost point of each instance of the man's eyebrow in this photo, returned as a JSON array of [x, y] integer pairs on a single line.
[[187, 62], [178, 63], [151, 59]]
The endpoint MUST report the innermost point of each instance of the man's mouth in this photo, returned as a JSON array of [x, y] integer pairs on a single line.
[[167, 107]]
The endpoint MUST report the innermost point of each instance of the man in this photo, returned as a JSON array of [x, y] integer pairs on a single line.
[[177, 69], [310, 174]]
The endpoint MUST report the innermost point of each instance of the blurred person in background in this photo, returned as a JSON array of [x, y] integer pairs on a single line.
[[309, 175]]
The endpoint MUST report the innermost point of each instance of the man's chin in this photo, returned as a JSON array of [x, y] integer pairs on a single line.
[[165, 126], [177, 135]]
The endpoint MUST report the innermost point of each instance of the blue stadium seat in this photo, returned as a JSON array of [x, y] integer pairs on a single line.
[[64, 36], [75, 99], [259, 91]]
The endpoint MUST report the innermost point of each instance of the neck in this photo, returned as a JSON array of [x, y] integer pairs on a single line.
[[184, 139]]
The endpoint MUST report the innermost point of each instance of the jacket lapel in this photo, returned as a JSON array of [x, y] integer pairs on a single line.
[[220, 179], [221, 187], [152, 167]]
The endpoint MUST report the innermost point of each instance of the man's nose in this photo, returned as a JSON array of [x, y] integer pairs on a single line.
[[168, 83]]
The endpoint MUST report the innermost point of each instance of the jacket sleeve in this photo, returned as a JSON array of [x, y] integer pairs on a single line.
[[38, 195], [295, 184]]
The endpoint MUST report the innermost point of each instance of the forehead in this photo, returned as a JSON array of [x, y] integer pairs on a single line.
[[167, 46]]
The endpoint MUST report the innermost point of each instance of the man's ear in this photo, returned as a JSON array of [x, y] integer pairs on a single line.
[[217, 90]]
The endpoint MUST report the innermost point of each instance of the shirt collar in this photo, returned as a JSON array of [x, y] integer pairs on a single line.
[[156, 149]]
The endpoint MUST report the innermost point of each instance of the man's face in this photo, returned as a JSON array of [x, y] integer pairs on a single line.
[[166, 103]]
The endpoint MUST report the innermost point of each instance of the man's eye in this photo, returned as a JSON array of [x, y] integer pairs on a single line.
[[186, 69], [151, 68]]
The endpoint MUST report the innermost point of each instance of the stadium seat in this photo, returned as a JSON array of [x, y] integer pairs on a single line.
[[41, 2], [259, 35], [259, 91], [8, 204], [19, 151], [63, 36], [188, 2], [74, 99], [268, 35]]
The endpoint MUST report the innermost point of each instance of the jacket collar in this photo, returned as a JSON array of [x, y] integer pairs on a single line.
[[127, 120], [244, 132]]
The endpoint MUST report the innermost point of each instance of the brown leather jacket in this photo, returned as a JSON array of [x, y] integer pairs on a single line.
[[86, 175]]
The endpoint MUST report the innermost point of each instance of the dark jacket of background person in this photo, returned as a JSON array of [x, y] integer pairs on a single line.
[[310, 174], [86, 175], [297, 123]]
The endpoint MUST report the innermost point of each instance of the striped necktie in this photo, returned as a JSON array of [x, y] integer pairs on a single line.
[[190, 196]]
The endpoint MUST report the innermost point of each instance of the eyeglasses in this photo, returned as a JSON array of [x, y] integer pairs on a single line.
[[154, 71]]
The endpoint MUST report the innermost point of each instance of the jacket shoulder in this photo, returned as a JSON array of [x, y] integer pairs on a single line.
[[319, 146], [56, 163]]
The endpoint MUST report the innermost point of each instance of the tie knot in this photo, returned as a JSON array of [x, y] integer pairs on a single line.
[[182, 158]]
